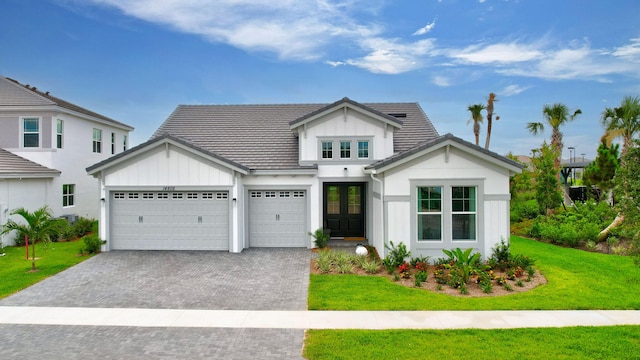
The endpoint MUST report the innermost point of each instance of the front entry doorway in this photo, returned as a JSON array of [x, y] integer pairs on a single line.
[[344, 209]]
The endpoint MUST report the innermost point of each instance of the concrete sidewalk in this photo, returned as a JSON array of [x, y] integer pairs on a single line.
[[181, 318]]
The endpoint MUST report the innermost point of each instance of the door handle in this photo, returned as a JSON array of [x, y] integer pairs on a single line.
[[140, 219], [199, 219]]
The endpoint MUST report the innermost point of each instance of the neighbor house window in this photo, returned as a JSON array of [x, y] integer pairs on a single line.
[[68, 192], [463, 213], [31, 132], [345, 149], [97, 140], [430, 213], [113, 143], [363, 149], [327, 150], [59, 132], [124, 143]]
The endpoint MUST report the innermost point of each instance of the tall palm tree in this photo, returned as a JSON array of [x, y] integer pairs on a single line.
[[40, 225], [622, 121], [490, 101], [476, 117], [556, 115]]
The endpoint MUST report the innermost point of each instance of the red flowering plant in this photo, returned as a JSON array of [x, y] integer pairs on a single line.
[[404, 270]]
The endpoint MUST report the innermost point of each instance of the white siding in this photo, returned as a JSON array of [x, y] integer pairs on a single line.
[[30, 194], [356, 125], [398, 217]]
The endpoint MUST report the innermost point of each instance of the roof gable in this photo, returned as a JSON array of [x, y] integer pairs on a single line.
[[165, 140], [438, 143], [14, 166], [15, 95], [346, 103]]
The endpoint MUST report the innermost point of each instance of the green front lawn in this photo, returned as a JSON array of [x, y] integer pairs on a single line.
[[615, 342], [576, 280], [15, 269]]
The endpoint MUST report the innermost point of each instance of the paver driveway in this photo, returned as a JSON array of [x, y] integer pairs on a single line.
[[256, 279]]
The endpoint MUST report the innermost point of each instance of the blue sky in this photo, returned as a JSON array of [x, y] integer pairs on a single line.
[[136, 60]]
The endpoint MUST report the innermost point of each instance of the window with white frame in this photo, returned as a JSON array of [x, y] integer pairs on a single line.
[[345, 149], [463, 213], [97, 140], [59, 133], [327, 149], [363, 149], [429, 213], [68, 195], [113, 143], [31, 132], [124, 143]]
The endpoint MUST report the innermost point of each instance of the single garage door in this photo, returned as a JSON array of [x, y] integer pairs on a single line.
[[278, 218], [170, 220]]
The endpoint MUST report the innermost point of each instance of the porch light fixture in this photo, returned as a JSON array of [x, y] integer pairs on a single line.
[[346, 171]]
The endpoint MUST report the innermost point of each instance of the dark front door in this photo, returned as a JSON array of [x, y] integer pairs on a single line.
[[344, 209]]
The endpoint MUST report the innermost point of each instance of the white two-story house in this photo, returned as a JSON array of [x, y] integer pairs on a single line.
[[46, 143], [230, 177]]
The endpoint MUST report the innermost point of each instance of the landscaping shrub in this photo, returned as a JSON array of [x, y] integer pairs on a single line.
[[91, 244], [320, 238], [82, 226], [397, 254]]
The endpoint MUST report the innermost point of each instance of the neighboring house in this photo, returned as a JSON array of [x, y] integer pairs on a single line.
[[62, 138], [230, 177]]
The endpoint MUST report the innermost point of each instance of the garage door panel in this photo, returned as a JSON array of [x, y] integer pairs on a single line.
[[277, 218], [170, 221]]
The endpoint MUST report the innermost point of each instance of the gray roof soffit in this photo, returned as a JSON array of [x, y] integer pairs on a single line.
[[13, 94], [341, 103], [157, 141], [302, 170], [13, 166], [397, 159]]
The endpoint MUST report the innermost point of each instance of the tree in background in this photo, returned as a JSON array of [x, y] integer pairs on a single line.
[[490, 101], [601, 171], [519, 182], [476, 117], [627, 185], [621, 122], [555, 115], [547, 185], [40, 225]]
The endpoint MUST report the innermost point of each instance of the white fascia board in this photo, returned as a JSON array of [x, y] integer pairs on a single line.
[[349, 106], [59, 110]]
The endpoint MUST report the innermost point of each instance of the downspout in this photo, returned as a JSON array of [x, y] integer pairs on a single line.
[[381, 208]]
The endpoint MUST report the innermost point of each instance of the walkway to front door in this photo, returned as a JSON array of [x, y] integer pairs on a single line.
[[344, 209]]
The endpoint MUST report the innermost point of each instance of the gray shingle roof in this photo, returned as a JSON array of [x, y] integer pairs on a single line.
[[259, 136], [14, 94], [424, 145], [14, 166]]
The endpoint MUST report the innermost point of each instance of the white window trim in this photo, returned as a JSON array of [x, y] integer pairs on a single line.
[[337, 151], [368, 149], [94, 140], [71, 195], [61, 133], [22, 133]]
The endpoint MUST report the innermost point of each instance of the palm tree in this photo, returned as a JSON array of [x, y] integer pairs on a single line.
[[40, 225], [490, 101], [476, 117], [621, 122], [556, 115]]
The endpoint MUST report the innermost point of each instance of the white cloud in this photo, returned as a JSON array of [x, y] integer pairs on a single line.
[[441, 81], [392, 56], [500, 53], [631, 51], [513, 90], [427, 28]]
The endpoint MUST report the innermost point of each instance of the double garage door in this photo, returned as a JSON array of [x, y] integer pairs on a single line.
[[277, 218], [169, 220]]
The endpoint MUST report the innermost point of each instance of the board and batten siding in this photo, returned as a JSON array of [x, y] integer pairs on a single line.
[[460, 167], [356, 125], [174, 167]]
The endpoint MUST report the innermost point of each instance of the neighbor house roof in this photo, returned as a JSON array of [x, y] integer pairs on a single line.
[[14, 95], [435, 143], [13, 166], [260, 136]]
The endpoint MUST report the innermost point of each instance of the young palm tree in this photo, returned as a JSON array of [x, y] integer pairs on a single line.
[[476, 117], [622, 121], [40, 225], [556, 115], [490, 101]]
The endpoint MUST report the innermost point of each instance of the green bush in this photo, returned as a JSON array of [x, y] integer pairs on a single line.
[[320, 238], [92, 244], [396, 255], [82, 226]]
